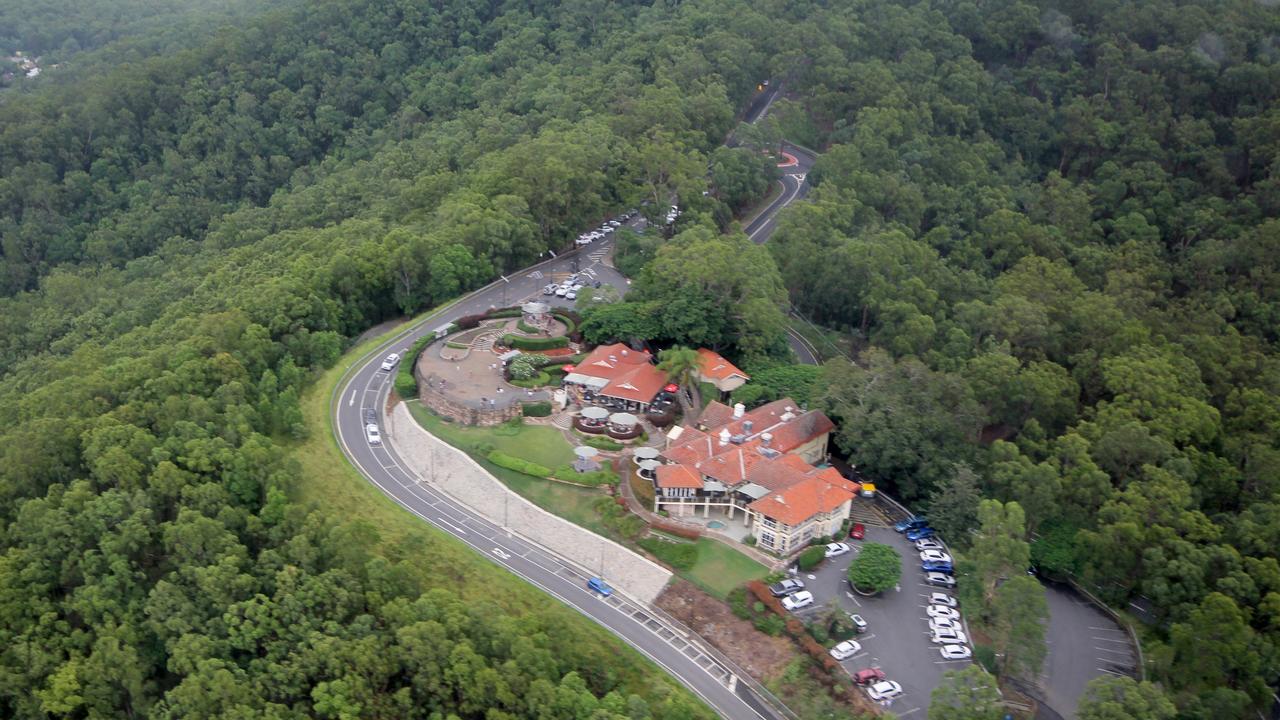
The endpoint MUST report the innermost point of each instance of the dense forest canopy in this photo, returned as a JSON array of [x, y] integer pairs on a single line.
[[1050, 228]]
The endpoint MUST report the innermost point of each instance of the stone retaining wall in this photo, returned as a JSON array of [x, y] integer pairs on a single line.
[[445, 467]]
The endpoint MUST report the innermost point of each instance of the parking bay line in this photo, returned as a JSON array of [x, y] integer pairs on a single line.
[[1126, 653], [1124, 642]]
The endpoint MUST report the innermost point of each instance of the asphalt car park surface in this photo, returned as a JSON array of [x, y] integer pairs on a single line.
[[897, 639]]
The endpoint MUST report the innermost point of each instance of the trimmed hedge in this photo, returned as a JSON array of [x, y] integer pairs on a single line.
[[542, 378], [600, 442], [811, 556], [537, 409], [542, 343], [406, 384], [595, 478], [527, 328], [506, 312], [520, 465]]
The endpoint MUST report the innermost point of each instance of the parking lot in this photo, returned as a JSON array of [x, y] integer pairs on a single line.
[[897, 639]]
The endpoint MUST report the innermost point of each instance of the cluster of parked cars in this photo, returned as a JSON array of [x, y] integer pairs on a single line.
[[936, 563], [570, 288], [605, 230]]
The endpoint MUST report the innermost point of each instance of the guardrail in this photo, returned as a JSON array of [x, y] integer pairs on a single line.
[[1122, 622]]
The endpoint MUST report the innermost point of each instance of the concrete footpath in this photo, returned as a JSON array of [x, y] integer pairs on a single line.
[[452, 471]]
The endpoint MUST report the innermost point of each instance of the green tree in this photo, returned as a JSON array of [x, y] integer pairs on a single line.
[[999, 551], [968, 694], [876, 568], [1020, 618], [1123, 698], [681, 365], [953, 508]]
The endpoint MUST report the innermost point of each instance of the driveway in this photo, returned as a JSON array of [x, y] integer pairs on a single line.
[[897, 637], [1084, 643]]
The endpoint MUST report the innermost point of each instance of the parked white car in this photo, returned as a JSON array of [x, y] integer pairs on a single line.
[[955, 652], [795, 601], [941, 598], [845, 650], [949, 638], [562, 291], [372, 435], [936, 624], [390, 362], [929, 544], [934, 556], [942, 611], [938, 579], [884, 690], [836, 550], [571, 295]]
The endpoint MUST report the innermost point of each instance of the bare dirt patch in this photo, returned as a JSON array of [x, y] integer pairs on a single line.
[[763, 656]]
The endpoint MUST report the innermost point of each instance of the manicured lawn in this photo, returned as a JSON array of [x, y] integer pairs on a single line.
[[720, 569], [539, 444], [535, 443]]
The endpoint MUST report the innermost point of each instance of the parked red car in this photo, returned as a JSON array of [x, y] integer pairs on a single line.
[[866, 676], [858, 532]]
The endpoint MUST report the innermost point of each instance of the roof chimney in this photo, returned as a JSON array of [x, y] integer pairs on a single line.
[[724, 436], [739, 409], [746, 427], [766, 438]]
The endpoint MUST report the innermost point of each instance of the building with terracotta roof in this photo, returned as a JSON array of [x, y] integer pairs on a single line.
[[714, 369], [626, 377], [760, 463]]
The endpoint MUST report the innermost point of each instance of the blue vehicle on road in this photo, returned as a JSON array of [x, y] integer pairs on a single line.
[[920, 533], [911, 523], [599, 586], [934, 566]]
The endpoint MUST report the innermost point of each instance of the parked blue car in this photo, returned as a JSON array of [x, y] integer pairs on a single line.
[[910, 524], [920, 533], [599, 586], [934, 566]]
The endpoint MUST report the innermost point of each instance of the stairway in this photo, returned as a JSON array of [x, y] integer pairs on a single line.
[[564, 420], [865, 512]]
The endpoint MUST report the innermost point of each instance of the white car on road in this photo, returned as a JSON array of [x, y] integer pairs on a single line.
[[940, 598], [390, 363], [836, 549], [941, 611], [884, 690], [934, 556], [845, 650], [372, 435], [955, 652], [795, 601]]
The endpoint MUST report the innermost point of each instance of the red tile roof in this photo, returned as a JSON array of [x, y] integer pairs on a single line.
[[677, 476], [800, 502], [712, 366], [640, 384]]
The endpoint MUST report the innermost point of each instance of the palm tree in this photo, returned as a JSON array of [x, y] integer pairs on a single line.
[[681, 364]]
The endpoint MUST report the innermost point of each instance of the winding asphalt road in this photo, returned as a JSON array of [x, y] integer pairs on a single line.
[[365, 388]]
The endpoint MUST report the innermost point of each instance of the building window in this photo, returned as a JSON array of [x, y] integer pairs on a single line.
[[766, 539], [770, 523]]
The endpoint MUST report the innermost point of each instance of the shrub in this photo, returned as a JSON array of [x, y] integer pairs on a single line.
[[542, 378], [522, 368], [811, 557], [769, 624], [595, 478], [749, 541], [677, 530], [506, 312], [570, 319], [738, 603], [680, 556], [537, 409], [520, 465], [535, 343], [876, 569], [986, 657], [527, 328], [467, 322], [601, 443]]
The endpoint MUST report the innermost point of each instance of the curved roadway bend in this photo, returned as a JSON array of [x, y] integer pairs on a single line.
[[366, 387]]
